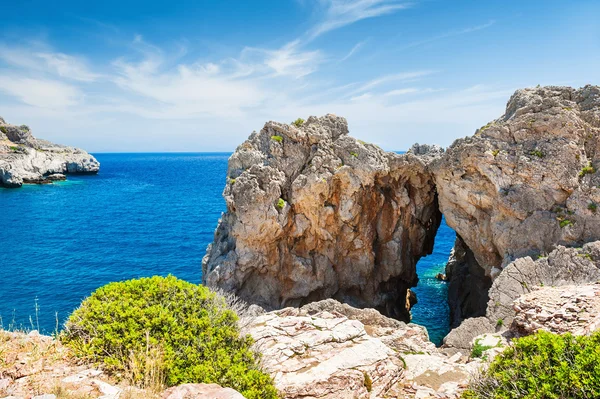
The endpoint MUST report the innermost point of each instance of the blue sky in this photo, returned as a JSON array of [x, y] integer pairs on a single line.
[[202, 75]]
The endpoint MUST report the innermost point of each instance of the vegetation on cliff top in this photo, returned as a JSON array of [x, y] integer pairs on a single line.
[[543, 366], [168, 328]]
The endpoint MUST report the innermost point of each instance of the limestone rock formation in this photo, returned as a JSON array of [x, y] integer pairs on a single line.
[[522, 184], [25, 159], [327, 349], [324, 356], [313, 213], [562, 267], [573, 308]]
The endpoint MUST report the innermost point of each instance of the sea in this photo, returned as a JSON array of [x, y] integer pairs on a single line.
[[142, 215]]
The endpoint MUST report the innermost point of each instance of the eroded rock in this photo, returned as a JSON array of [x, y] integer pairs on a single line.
[[313, 213], [573, 308], [325, 355], [524, 182]]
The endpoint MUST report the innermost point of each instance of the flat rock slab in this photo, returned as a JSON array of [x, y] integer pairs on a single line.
[[201, 391]]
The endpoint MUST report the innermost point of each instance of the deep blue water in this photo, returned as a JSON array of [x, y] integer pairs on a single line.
[[144, 214]]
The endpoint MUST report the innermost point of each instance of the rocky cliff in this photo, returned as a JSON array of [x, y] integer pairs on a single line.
[[25, 159], [313, 213], [521, 185]]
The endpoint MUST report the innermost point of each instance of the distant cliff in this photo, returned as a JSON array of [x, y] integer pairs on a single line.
[[26, 159]]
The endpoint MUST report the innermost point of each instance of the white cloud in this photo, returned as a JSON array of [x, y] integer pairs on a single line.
[[49, 94], [288, 60], [354, 49], [50, 63], [340, 13], [389, 79], [400, 92], [67, 66], [449, 34]]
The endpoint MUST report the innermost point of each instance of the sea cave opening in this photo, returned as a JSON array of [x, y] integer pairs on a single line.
[[432, 310]]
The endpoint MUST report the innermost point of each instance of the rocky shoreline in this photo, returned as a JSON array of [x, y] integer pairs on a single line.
[[25, 159]]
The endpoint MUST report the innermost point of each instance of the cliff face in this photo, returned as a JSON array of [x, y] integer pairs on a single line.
[[25, 159], [313, 213], [522, 184]]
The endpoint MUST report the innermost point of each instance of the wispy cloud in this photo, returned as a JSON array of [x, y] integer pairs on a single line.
[[354, 50], [389, 79], [340, 13], [288, 60], [448, 34], [40, 93], [46, 61]]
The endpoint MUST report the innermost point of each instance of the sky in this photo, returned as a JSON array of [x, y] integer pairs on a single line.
[[193, 75]]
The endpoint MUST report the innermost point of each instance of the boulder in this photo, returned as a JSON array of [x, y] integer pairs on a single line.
[[313, 213]]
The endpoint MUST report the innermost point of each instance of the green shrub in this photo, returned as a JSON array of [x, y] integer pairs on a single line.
[[3, 129], [500, 322], [478, 349], [589, 169], [280, 203], [537, 153], [298, 122], [278, 139], [565, 223], [543, 366], [592, 206], [354, 154], [190, 328], [495, 153]]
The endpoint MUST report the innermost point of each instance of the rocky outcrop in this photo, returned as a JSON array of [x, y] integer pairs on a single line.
[[574, 309], [25, 159], [562, 267], [327, 349], [523, 183], [313, 213]]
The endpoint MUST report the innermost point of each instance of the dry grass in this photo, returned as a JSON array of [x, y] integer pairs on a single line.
[[147, 370]]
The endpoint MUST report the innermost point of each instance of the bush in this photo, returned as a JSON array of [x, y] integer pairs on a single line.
[[278, 139], [478, 349], [298, 122], [280, 203], [587, 170], [3, 129], [543, 366], [537, 153], [128, 325]]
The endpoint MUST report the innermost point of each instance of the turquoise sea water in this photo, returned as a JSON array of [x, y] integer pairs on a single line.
[[144, 214]]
